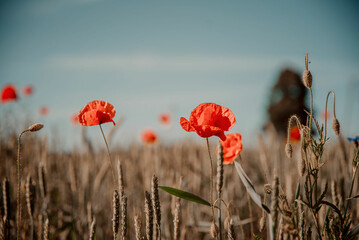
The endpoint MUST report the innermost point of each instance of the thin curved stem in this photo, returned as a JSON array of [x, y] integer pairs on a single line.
[[18, 186], [109, 156], [326, 108]]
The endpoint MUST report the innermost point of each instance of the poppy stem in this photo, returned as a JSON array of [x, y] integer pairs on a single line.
[[18, 186], [211, 187], [109, 156]]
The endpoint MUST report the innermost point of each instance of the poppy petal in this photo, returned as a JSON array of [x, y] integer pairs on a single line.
[[186, 125], [232, 147]]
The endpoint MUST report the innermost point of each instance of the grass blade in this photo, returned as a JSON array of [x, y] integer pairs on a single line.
[[185, 195], [250, 188]]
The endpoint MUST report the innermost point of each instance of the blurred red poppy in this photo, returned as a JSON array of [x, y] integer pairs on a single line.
[[44, 111], [8, 93], [294, 134], [209, 119], [96, 112], [75, 118], [27, 90], [149, 136], [325, 116], [232, 147], [165, 118]]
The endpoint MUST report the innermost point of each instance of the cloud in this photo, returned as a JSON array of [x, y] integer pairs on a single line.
[[152, 63]]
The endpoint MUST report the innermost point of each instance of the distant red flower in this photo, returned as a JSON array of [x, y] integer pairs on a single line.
[[209, 119], [44, 111], [75, 118], [165, 118], [294, 134], [232, 147], [323, 116], [96, 112], [149, 136], [27, 90], [8, 93]]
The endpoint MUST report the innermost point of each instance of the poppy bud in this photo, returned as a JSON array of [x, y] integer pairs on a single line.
[[288, 150], [35, 127], [336, 126], [214, 230], [307, 78]]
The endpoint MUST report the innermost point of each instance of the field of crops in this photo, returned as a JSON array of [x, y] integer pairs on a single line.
[[302, 187]]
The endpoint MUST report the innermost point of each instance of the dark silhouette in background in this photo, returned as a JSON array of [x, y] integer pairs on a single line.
[[287, 98]]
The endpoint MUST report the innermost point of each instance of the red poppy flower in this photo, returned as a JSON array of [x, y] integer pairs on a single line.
[[8, 93], [165, 118], [27, 90], [232, 147], [149, 136], [209, 119], [294, 134], [44, 111], [96, 112]]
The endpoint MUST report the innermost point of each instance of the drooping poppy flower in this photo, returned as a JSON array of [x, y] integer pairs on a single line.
[[8, 93], [355, 140], [294, 134], [96, 112], [27, 90], [232, 147], [44, 110], [209, 119], [165, 118], [149, 136]]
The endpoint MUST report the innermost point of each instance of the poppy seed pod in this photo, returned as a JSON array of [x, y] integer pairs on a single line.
[[288, 150], [35, 127], [214, 230], [336, 126], [307, 78]]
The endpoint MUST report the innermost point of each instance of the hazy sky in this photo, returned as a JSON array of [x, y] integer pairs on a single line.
[[146, 57]]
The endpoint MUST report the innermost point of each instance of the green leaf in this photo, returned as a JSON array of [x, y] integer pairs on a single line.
[[185, 195]]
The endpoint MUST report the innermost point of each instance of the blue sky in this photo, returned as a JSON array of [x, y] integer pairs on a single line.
[[155, 56]]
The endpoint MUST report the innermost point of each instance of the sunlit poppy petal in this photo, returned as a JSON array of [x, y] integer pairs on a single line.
[[186, 125], [8, 93], [96, 112]]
